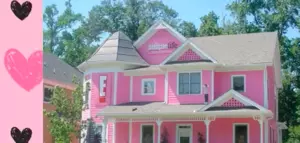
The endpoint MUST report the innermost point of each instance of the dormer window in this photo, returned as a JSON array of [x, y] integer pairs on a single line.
[[148, 87], [238, 83]]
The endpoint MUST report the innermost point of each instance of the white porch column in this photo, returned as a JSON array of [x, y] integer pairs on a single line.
[[130, 131], [104, 129], [261, 131], [158, 122], [207, 122], [260, 120]]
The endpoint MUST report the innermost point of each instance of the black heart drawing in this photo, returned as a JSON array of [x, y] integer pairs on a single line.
[[21, 11], [21, 137]]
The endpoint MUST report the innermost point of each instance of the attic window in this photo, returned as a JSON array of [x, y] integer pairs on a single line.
[[238, 83]]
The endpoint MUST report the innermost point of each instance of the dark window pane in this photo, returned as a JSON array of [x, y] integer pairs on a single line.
[[183, 78], [147, 134], [241, 134], [195, 77], [184, 139], [238, 83], [47, 94]]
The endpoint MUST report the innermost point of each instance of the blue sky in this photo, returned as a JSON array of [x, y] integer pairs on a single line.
[[190, 10]]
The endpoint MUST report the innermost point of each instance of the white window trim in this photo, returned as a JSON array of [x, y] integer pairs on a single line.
[[189, 72], [154, 86], [233, 76], [49, 87], [191, 134], [141, 131], [248, 129]]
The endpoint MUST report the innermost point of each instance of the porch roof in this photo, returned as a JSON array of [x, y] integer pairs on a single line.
[[160, 108], [131, 108]]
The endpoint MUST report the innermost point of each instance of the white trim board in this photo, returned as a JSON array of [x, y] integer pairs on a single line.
[[232, 94], [182, 49], [248, 131]]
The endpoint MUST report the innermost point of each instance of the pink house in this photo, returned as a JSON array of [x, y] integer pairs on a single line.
[[218, 89]]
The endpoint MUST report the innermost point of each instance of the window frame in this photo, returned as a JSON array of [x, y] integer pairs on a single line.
[[141, 131], [233, 76], [49, 87], [189, 72], [143, 83], [248, 131], [89, 94]]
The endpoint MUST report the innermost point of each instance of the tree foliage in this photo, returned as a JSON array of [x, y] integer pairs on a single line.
[[65, 119]]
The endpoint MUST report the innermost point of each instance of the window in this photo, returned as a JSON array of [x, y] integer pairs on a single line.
[[240, 133], [148, 86], [87, 93], [184, 134], [147, 134], [189, 83], [47, 94], [238, 83]]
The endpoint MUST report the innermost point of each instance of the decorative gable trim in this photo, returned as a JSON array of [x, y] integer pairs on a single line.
[[228, 96], [182, 49], [152, 30], [189, 55]]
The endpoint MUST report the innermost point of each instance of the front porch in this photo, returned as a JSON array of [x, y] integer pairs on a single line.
[[218, 128], [232, 118]]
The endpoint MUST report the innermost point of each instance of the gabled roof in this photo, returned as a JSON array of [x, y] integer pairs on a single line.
[[117, 47], [57, 71], [160, 24], [240, 49], [232, 94]]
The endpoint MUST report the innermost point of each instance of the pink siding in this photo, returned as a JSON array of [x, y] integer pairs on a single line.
[[225, 134], [254, 84], [174, 98], [123, 88], [272, 102], [162, 36], [85, 114], [189, 55], [137, 86], [96, 106], [122, 132]]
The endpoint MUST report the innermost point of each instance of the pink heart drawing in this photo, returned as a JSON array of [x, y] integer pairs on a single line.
[[27, 73]]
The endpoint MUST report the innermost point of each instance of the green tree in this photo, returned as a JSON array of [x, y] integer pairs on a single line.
[[55, 24], [209, 25], [133, 17], [187, 29], [65, 119]]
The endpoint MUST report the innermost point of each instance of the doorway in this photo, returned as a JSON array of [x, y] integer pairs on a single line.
[[184, 134]]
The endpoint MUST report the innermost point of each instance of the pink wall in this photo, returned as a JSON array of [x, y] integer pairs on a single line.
[[272, 102], [137, 84], [122, 133], [123, 88], [254, 84], [225, 134], [161, 37], [174, 98], [96, 106]]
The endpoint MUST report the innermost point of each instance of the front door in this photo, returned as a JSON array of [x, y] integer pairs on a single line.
[[184, 133]]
